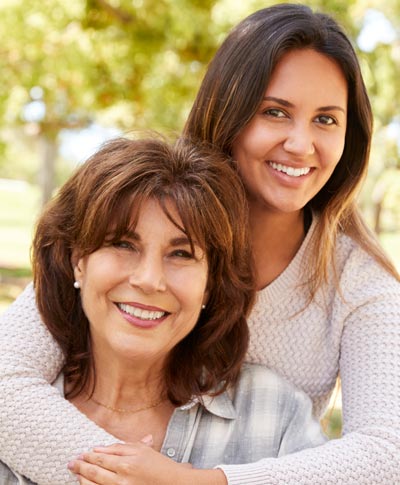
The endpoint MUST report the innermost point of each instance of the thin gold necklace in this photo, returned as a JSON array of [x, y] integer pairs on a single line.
[[132, 411]]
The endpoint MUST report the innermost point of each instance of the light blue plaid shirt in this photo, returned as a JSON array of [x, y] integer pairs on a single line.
[[263, 416]]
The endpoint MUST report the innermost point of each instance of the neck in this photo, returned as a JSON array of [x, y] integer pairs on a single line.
[[276, 238], [133, 388], [122, 386]]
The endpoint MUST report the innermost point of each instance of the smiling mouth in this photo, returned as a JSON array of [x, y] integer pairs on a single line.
[[291, 171], [140, 312]]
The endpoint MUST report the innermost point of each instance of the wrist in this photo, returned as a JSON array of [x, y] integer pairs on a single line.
[[205, 477]]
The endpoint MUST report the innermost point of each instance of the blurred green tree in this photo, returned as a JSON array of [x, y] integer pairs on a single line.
[[65, 63], [137, 64]]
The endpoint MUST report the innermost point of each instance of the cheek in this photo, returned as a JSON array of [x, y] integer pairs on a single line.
[[101, 275], [102, 266], [334, 148], [330, 158], [248, 142], [189, 286], [244, 138]]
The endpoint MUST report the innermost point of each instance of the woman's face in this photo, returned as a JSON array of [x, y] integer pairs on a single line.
[[290, 148], [143, 294]]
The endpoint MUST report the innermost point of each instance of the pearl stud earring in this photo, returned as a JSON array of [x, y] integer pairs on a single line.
[[77, 285]]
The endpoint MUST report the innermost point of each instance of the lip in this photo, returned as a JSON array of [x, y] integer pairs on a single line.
[[286, 179], [143, 307], [138, 322]]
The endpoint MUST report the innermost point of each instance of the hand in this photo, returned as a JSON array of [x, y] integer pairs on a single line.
[[128, 464]]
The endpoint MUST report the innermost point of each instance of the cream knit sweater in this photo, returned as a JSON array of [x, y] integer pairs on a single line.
[[360, 336]]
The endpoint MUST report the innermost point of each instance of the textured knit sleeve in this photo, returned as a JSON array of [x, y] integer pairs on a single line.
[[39, 430], [369, 451]]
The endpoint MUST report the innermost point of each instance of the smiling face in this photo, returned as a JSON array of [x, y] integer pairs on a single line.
[[290, 148], [143, 294]]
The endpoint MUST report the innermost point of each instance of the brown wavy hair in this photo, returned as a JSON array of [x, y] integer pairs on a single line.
[[233, 89], [210, 201]]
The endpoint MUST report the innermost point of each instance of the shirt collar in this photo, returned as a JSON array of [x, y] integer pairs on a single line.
[[220, 405]]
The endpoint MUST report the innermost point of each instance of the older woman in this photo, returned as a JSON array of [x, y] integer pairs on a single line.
[[142, 275]]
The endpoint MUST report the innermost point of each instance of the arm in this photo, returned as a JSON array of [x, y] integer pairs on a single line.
[[39, 430], [369, 451]]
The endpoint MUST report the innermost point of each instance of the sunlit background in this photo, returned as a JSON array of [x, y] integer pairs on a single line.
[[76, 73]]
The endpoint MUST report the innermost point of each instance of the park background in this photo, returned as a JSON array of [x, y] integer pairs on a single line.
[[75, 73]]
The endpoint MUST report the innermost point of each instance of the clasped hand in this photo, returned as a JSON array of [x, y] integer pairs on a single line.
[[128, 464]]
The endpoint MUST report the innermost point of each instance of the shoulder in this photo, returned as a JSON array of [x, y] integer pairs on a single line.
[[362, 290], [266, 387], [26, 301], [268, 403], [360, 273], [355, 272], [255, 374]]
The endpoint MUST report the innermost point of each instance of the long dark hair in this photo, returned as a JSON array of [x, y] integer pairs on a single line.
[[233, 89]]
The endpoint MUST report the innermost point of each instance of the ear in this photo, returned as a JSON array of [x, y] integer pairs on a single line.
[[77, 265]]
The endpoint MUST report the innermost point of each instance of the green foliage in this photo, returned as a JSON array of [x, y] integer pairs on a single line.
[[137, 64], [90, 56], [145, 56]]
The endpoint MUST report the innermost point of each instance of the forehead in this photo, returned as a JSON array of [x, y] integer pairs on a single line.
[[153, 214], [307, 75], [150, 217]]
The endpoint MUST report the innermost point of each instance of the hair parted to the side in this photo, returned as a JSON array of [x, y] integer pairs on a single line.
[[233, 89], [108, 189]]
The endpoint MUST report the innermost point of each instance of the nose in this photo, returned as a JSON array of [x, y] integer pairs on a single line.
[[300, 140], [148, 274]]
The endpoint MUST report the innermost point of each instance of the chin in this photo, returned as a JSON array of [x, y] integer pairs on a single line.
[[286, 208]]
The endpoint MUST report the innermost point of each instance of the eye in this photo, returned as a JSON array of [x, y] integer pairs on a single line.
[[326, 120], [182, 253], [274, 113], [123, 245]]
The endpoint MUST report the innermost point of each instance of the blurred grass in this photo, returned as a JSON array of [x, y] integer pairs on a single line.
[[12, 282], [19, 203]]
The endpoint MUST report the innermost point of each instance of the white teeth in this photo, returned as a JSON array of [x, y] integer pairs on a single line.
[[291, 171], [140, 313]]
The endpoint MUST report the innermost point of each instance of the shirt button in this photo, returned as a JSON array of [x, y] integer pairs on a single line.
[[171, 452]]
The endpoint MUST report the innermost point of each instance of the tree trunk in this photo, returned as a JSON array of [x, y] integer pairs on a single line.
[[49, 150], [377, 216]]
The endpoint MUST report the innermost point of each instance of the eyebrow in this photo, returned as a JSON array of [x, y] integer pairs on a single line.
[[132, 235], [176, 241], [288, 104]]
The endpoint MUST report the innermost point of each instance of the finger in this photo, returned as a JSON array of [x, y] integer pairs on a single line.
[[83, 481], [120, 449], [92, 473], [103, 460]]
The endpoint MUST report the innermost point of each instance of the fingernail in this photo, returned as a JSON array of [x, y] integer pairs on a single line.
[[147, 440]]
